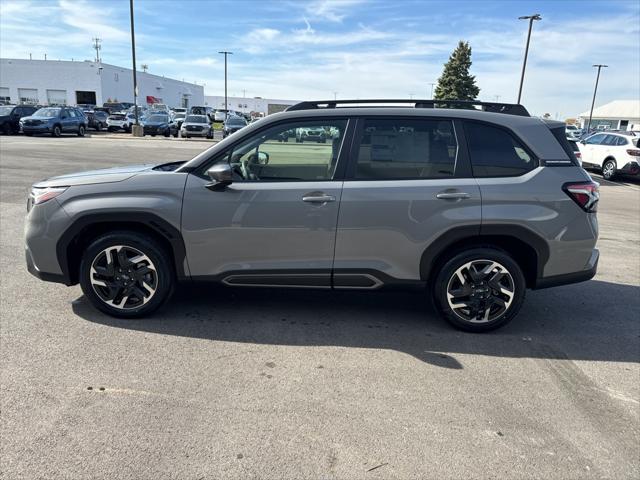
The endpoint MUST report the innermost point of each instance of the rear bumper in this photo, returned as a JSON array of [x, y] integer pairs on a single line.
[[575, 277]]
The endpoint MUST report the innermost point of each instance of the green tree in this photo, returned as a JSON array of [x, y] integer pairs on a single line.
[[456, 83]]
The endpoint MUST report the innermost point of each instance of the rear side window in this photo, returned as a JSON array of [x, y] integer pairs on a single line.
[[570, 147], [495, 152], [401, 148], [621, 141]]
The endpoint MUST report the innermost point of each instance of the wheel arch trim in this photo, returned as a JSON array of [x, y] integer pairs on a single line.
[[169, 234]]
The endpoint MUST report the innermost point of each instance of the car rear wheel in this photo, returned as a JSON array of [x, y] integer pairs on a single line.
[[479, 290], [609, 169], [126, 274], [56, 132], [98, 126]]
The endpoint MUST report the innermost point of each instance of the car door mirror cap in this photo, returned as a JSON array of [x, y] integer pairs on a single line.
[[221, 175]]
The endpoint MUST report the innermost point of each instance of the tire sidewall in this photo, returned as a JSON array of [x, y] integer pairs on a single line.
[[81, 131], [56, 131], [148, 246], [613, 173], [459, 259]]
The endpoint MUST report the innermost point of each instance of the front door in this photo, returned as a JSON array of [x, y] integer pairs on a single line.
[[407, 184], [276, 223]]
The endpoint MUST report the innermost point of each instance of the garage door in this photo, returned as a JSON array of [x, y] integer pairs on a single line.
[[57, 97], [4, 95], [28, 95]]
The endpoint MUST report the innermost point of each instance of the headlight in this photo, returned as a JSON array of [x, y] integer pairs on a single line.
[[41, 195]]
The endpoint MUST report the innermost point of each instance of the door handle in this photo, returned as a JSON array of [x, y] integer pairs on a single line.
[[318, 198], [452, 195]]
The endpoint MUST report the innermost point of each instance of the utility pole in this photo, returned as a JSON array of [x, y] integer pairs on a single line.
[[136, 128], [593, 102], [432, 84], [97, 47], [145, 67], [225, 53], [335, 95], [531, 18]]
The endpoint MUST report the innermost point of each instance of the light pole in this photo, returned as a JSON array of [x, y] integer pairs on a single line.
[[595, 89], [225, 53], [531, 18], [136, 128], [335, 95]]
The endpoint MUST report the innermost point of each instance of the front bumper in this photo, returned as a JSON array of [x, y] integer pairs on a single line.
[[194, 133], [42, 128]]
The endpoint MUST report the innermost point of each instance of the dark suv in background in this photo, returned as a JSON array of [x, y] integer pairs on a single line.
[[55, 121], [469, 205], [10, 116]]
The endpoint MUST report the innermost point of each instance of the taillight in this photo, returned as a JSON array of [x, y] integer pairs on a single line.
[[634, 152], [578, 154], [585, 194]]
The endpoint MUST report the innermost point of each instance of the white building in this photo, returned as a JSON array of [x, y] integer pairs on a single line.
[[616, 115], [265, 106], [47, 82]]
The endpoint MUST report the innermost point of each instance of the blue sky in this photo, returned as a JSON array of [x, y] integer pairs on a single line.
[[358, 48]]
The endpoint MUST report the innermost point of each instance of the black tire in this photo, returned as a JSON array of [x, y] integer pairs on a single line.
[[481, 293], [81, 131], [609, 169], [159, 259], [56, 132], [98, 126], [127, 129], [167, 134], [29, 134], [6, 129], [110, 129]]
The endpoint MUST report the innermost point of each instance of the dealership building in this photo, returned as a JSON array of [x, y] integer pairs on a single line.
[[49, 82], [261, 105], [616, 115]]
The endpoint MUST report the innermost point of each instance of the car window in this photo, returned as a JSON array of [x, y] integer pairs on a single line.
[[196, 119], [621, 141], [406, 149], [610, 140], [280, 154], [595, 139], [495, 152]]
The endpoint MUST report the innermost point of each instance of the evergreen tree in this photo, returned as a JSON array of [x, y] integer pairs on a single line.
[[456, 83]]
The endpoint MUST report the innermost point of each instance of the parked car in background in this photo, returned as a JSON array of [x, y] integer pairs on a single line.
[[86, 106], [96, 119], [572, 131], [232, 124], [115, 107], [178, 118], [120, 121], [573, 143], [179, 110], [159, 108], [196, 126], [219, 115], [611, 153], [55, 121], [196, 110], [159, 124], [10, 116], [311, 134]]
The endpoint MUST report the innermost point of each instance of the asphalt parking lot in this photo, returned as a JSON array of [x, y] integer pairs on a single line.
[[227, 383]]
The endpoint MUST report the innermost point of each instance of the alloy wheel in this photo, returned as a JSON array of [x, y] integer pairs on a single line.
[[123, 277], [480, 291]]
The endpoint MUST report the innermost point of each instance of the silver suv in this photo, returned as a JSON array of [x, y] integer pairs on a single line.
[[472, 204]]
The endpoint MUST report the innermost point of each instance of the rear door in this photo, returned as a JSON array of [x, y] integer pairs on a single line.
[[408, 183]]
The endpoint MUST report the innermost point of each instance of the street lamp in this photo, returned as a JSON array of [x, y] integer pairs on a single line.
[[595, 89], [432, 84], [531, 18], [136, 128], [225, 53]]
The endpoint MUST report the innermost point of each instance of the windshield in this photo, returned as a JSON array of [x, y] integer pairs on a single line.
[[5, 110], [196, 119], [158, 118], [47, 112], [236, 122]]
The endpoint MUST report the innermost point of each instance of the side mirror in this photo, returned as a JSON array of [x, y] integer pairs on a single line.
[[583, 142], [263, 158], [221, 175]]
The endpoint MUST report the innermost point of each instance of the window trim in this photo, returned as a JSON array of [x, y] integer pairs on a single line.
[[338, 174], [514, 135], [462, 165]]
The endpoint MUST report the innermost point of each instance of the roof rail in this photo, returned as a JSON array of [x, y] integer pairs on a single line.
[[507, 108]]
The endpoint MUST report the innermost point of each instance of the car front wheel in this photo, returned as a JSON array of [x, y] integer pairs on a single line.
[[126, 274], [81, 131], [609, 169], [479, 289], [56, 132]]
